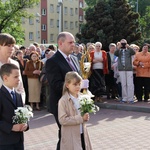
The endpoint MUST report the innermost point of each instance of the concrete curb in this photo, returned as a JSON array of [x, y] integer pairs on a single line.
[[126, 107]]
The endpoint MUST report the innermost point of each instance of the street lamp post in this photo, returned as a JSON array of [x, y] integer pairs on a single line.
[[37, 15], [60, 2], [137, 6]]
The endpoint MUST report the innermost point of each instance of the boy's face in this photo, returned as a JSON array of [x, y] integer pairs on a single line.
[[7, 50], [12, 80]]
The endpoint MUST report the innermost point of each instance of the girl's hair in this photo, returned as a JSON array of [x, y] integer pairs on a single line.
[[69, 77]]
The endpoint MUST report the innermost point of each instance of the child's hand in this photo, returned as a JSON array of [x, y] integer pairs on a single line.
[[19, 127], [24, 127], [16, 127], [86, 117]]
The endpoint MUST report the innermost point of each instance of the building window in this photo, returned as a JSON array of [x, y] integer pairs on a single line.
[[76, 24], [80, 18], [51, 8], [31, 22], [76, 11], [23, 20], [57, 9], [31, 36], [71, 25], [57, 23], [65, 10], [51, 23], [66, 25], [51, 37], [43, 12], [43, 27], [81, 4], [71, 11], [43, 41]]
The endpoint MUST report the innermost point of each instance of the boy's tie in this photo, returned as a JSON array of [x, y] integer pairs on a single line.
[[14, 97]]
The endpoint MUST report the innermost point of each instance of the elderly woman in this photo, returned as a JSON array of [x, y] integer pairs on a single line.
[[136, 48], [99, 69], [142, 62], [33, 70]]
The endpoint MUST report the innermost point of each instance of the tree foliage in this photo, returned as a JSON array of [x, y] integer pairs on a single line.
[[145, 23], [110, 21], [142, 4], [91, 2], [11, 12]]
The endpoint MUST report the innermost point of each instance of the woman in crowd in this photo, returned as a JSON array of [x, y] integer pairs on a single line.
[[33, 70], [91, 48], [109, 78], [99, 69], [136, 48], [142, 62], [22, 63]]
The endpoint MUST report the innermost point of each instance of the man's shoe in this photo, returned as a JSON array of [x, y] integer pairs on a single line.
[[131, 102], [122, 101], [146, 100]]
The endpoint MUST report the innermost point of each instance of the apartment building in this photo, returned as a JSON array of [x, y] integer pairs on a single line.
[[51, 17]]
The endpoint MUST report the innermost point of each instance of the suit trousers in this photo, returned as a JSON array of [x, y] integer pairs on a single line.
[[126, 78], [16, 146]]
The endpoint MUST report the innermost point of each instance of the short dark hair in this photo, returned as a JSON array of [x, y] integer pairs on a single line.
[[6, 39], [18, 52], [22, 47], [47, 51], [6, 69], [51, 46]]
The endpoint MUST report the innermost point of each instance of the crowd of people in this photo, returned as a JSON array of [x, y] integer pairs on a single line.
[[122, 73]]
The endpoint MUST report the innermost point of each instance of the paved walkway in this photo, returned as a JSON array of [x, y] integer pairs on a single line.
[[108, 129]]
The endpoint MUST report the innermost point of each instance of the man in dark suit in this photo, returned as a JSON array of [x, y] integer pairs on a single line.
[[11, 134], [56, 69]]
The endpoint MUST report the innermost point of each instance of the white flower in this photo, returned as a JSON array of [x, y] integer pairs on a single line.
[[22, 114], [87, 105]]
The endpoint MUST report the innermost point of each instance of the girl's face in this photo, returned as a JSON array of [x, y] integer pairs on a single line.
[[74, 87]]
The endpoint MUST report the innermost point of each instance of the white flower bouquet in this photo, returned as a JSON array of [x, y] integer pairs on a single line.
[[22, 114], [87, 105]]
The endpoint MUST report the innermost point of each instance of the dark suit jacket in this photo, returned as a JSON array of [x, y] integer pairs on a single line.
[[7, 108], [56, 69]]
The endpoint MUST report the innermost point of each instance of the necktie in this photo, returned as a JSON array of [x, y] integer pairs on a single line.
[[13, 97], [69, 62]]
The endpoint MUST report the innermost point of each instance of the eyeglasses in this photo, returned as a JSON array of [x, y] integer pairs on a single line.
[[97, 46]]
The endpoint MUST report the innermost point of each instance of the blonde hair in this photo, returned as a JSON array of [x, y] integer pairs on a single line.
[[69, 77]]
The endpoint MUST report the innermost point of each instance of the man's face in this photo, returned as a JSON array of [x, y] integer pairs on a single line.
[[68, 45], [7, 51]]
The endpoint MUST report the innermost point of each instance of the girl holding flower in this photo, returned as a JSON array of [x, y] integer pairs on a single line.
[[74, 134]]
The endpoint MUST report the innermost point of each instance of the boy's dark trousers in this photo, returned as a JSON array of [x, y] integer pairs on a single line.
[[17, 146]]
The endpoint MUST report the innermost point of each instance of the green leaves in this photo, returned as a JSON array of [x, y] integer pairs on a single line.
[[11, 14]]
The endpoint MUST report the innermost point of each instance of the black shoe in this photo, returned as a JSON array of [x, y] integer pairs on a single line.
[[139, 100], [108, 97], [145, 100]]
